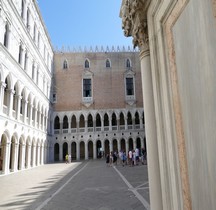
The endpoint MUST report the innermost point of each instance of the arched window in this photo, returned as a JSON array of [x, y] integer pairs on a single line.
[[128, 63], [137, 120], [56, 123], [73, 122], [28, 18], [82, 121], [65, 122], [98, 121], [129, 119], [6, 35], [65, 64], [20, 54], [122, 121], [114, 120], [90, 121], [87, 64], [108, 64], [106, 120]]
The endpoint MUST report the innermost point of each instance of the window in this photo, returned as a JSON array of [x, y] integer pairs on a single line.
[[128, 63], [87, 65], [65, 64], [26, 60], [129, 86], [87, 88], [6, 35], [108, 65]]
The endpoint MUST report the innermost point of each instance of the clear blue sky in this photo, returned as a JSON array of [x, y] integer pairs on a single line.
[[83, 23]]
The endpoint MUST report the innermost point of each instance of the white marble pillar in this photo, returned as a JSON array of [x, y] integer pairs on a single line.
[[28, 164], [150, 128], [10, 101], [60, 152]]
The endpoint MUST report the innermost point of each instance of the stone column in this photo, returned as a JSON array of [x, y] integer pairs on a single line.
[[134, 23], [94, 151], [2, 87], [78, 151], [86, 151], [69, 148], [18, 98], [10, 101], [30, 114], [102, 124], [42, 155], [60, 152], [111, 146], [29, 156], [25, 104], [141, 123], [6, 156]]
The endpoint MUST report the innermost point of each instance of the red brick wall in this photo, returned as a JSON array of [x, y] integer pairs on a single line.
[[107, 83]]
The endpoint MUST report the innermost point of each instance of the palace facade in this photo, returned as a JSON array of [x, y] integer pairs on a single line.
[[58, 103], [98, 104]]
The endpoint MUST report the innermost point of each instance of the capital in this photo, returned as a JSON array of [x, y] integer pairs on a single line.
[[134, 22]]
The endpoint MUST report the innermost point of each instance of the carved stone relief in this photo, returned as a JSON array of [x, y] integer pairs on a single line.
[[134, 22]]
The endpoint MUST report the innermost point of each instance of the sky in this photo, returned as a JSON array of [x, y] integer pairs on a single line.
[[83, 23]]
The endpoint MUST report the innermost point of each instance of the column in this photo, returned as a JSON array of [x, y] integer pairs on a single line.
[[60, 152], [39, 119], [86, 150], [119, 145], [126, 125], [28, 164], [126, 146], [10, 101], [118, 123], [33, 155], [22, 157], [6, 157], [42, 155], [78, 150], [141, 122], [94, 151], [25, 104], [102, 124], [111, 145], [2, 87], [18, 98], [69, 149], [16, 148], [150, 128], [30, 113], [86, 126]]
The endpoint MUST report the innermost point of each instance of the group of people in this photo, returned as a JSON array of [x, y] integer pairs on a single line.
[[132, 158]]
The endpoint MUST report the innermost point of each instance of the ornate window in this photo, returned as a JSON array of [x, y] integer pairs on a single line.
[[65, 64], [129, 87], [87, 88], [108, 64]]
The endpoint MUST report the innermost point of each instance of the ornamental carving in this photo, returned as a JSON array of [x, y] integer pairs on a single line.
[[134, 22]]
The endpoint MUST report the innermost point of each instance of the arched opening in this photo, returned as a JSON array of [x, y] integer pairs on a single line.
[[82, 150], [108, 64], [98, 122], [137, 120], [106, 147], [114, 120], [73, 151], [129, 120], [56, 123], [123, 146], [90, 150], [65, 122], [128, 63], [115, 145], [56, 152], [99, 149], [65, 64], [130, 142], [122, 121], [138, 144], [106, 122], [90, 122], [65, 150], [87, 64], [3, 153], [73, 124], [82, 123], [6, 35]]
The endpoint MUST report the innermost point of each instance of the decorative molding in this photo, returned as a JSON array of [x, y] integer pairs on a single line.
[[134, 22], [214, 7], [174, 15]]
